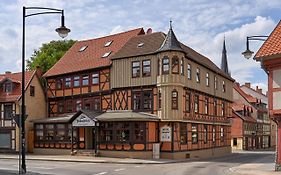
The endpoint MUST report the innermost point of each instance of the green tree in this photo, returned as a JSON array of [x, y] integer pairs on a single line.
[[48, 54]]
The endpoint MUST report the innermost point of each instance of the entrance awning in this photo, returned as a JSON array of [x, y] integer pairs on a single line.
[[126, 115]]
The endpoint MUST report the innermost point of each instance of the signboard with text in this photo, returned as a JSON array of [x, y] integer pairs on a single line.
[[82, 121], [166, 134]]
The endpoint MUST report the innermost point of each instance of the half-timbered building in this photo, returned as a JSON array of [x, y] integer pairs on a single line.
[[10, 102], [128, 94]]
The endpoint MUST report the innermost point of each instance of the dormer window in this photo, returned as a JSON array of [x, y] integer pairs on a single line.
[[140, 44], [8, 87], [107, 43], [83, 48], [106, 54]]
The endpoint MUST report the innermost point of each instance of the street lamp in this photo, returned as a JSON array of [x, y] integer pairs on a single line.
[[248, 53], [63, 32]]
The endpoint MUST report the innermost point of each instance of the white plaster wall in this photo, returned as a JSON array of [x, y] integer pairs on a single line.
[[276, 100], [277, 78]]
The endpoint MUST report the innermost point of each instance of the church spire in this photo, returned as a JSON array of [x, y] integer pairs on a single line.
[[224, 65]]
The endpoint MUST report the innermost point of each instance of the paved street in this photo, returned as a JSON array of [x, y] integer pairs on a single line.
[[237, 163], [255, 163]]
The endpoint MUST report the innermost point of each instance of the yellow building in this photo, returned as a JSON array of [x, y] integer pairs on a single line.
[[10, 102]]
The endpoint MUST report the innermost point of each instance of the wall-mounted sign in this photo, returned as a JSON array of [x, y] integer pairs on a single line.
[[83, 120], [166, 134]]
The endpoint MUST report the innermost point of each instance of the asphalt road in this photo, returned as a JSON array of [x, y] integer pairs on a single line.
[[214, 166]]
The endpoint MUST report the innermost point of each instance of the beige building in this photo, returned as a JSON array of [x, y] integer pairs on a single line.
[[10, 103]]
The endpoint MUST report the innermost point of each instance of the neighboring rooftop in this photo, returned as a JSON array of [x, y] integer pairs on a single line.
[[93, 53], [15, 94], [272, 46]]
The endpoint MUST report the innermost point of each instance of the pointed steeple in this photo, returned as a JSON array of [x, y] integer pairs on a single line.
[[170, 42], [224, 65]]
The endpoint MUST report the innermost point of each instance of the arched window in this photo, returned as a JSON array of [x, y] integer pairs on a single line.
[[175, 65], [175, 99], [165, 65]]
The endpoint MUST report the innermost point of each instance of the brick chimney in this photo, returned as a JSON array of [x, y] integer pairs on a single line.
[[259, 90], [39, 71], [248, 85]]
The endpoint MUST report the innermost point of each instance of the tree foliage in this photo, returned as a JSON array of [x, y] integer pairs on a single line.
[[47, 55]]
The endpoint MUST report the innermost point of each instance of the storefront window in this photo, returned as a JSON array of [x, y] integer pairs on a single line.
[[183, 133], [194, 133]]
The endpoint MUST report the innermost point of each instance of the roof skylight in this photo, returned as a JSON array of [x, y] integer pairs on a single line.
[[107, 43], [106, 54], [83, 48], [140, 44]]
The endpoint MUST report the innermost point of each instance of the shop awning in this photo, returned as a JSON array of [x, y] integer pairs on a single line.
[[126, 115], [61, 119]]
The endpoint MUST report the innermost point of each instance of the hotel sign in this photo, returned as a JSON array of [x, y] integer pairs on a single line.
[[166, 134], [82, 121]]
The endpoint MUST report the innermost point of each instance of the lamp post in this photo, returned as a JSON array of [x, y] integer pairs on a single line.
[[248, 53], [63, 32]]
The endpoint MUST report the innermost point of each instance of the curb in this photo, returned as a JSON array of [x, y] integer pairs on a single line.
[[96, 161]]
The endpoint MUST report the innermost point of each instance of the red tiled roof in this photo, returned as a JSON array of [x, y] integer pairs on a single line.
[[243, 117], [248, 97], [16, 79], [272, 46], [91, 57]]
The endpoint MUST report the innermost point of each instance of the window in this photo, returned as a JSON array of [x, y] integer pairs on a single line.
[[32, 91], [206, 105], [189, 71], [196, 103], [159, 99], [216, 83], [183, 133], [174, 99], [107, 43], [87, 104], [59, 84], [146, 69], [97, 104], [165, 65], [60, 107], [139, 130], [106, 132], [197, 75], [223, 109], [123, 132], [85, 80], [214, 134], [187, 102], [76, 81], [194, 133], [69, 106], [222, 134], [67, 82], [83, 48], [136, 100], [135, 69], [147, 100], [207, 80], [234, 141], [215, 107], [205, 133], [175, 65], [8, 111], [106, 54], [8, 87], [158, 67], [78, 105], [140, 44], [142, 100], [182, 66], [223, 86], [95, 78]]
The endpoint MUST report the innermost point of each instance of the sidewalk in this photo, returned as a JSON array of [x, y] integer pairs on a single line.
[[91, 159]]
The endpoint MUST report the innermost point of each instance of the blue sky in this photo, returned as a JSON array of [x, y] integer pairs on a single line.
[[200, 24]]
